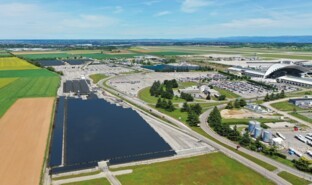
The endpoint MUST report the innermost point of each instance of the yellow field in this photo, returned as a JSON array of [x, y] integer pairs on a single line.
[[6, 81], [14, 63]]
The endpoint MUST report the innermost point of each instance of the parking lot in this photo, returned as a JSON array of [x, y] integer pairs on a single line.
[[132, 84]]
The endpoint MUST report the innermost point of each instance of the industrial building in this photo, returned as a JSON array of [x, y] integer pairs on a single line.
[[305, 102]]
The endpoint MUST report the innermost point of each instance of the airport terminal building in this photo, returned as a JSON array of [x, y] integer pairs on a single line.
[[283, 72]]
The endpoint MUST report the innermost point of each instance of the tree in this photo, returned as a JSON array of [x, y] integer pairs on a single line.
[[159, 103], [229, 105], [245, 141], [214, 118], [192, 119], [282, 94], [208, 97], [185, 107], [170, 107], [242, 103], [237, 104], [267, 98], [197, 109], [222, 97]]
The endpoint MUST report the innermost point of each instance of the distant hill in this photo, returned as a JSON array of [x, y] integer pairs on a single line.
[[261, 39]]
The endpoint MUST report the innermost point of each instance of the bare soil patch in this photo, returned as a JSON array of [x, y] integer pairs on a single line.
[[239, 114], [24, 131]]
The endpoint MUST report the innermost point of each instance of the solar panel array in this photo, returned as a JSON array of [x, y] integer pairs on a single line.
[[77, 62], [47, 63], [77, 86]]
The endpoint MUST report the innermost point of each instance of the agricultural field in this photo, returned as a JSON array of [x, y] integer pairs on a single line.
[[24, 80], [24, 132], [5, 81], [100, 56], [4, 54], [45, 56], [215, 168], [14, 63]]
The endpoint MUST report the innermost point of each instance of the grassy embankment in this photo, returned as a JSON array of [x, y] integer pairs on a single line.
[[295, 180], [215, 168], [97, 77]]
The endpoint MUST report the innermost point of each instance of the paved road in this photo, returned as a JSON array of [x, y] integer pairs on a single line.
[[204, 125], [285, 114], [270, 175]]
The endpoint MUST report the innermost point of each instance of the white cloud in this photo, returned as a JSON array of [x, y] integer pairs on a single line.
[[89, 21], [191, 6], [22, 20], [163, 13]]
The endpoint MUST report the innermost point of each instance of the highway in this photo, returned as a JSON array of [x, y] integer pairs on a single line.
[[268, 174]]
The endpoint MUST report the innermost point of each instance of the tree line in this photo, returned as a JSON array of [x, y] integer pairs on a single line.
[[193, 112], [167, 105], [238, 103], [164, 90], [273, 96]]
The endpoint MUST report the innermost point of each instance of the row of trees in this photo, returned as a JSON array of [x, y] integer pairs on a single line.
[[193, 113], [273, 96], [167, 105], [238, 103], [187, 97], [164, 90], [262, 84], [231, 76]]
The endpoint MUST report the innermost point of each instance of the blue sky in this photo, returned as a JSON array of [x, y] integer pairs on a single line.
[[133, 19]]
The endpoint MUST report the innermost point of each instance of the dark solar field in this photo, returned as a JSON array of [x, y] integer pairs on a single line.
[[77, 62], [50, 63], [57, 139], [97, 130], [76, 86]]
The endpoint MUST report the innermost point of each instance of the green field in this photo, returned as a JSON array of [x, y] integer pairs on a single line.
[[227, 93], [45, 56], [5, 81], [102, 181], [293, 179], [285, 106], [97, 77], [183, 85], [145, 95], [27, 87], [300, 57], [14, 63], [215, 168], [302, 117], [177, 114], [26, 73], [245, 121], [100, 56]]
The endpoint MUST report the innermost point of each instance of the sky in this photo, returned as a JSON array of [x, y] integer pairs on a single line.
[[152, 19]]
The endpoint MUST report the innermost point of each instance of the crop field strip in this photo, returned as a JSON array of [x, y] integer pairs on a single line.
[[14, 63], [6, 81], [27, 87]]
